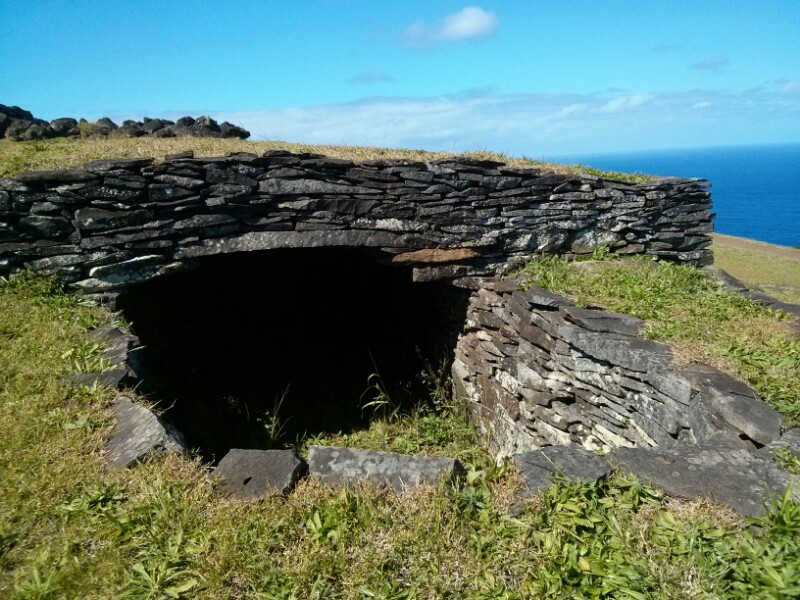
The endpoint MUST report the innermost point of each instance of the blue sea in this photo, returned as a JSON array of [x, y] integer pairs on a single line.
[[756, 189]]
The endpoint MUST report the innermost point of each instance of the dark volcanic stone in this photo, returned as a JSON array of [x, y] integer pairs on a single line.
[[742, 480], [603, 321], [101, 166], [624, 351], [26, 131], [788, 442], [735, 403], [346, 466], [107, 123], [150, 126], [206, 122], [132, 128], [166, 132], [539, 467], [63, 127], [48, 227], [15, 112], [704, 377], [250, 474], [540, 297], [139, 434], [96, 219], [65, 176]]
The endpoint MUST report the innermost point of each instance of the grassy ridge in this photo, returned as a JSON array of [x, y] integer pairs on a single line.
[[16, 157], [776, 269]]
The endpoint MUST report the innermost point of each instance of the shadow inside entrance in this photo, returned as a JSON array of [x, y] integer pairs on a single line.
[[259, 349]]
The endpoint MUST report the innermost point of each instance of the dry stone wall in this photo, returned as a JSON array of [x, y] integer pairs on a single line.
[[539, 371], [115, 223]]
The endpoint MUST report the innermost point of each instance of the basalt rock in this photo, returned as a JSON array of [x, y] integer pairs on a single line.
[[341, 467], [140, 434], [20, 125], [251, 474]]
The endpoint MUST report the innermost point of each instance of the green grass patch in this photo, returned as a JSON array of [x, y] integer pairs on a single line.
[[681, 305], [68, 529]]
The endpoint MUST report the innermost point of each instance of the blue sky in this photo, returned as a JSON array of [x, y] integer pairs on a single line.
[[539, 78]]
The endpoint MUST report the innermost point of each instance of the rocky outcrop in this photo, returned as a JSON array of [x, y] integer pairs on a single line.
[[20, 125], [539, 469], [540, 371], [116, 223]]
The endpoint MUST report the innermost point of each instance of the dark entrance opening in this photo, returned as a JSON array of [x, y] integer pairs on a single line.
[[251, 347]]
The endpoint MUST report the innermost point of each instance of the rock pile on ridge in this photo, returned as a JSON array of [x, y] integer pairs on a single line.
[[20, 125]]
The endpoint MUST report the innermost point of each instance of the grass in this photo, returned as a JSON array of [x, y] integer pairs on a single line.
[[68, 529], [63, 153], [682, 306], [758, 264]]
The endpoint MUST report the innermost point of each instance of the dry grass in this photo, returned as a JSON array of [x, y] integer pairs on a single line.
[[776, 269], [16, 157]]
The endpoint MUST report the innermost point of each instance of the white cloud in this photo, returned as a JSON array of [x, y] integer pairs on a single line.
[[710, 64], [372, 76], [469, 23], [626, 102], [791, 88], [536, 124]]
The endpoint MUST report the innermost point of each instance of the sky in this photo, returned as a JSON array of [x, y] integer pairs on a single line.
[[535, 78]]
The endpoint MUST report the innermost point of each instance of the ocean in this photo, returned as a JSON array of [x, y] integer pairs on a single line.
[[756, 189]]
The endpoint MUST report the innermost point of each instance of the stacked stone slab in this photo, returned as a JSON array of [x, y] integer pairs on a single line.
[[115, 223], [539, 371]]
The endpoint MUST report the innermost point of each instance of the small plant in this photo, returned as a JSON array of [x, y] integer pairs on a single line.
[[154, 579], [273, 425], [94, 501], [602, 252], [87, 358], [788, 460], [381, 403], [38, 585]]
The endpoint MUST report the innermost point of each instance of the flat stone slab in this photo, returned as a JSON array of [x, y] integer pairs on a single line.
[[789, 442], [139, 434], [252, 474], [539, 467], [735, 403], [340, 467], [744, 481]]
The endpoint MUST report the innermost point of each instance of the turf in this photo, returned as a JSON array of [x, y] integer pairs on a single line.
[[776, 269], [68, 529]]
